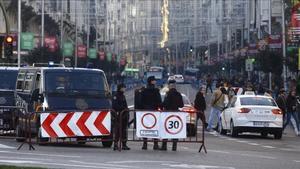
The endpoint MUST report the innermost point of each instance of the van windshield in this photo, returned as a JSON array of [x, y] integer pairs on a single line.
[[75, 83], [8, 80]]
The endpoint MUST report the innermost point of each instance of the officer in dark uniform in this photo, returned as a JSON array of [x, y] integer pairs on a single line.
[[172, 101], [151, 100], [138, 104], [119, 104]]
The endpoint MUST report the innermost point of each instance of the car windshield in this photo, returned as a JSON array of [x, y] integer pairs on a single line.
[[257, 101], [8, 80], [75, 83]]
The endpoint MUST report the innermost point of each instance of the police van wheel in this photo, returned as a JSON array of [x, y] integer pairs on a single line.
[[20, 137], [107, 144]]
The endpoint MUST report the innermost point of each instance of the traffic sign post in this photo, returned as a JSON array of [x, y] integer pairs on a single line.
[[68, 49], [92, 53], [27, 41], [174, 125], [249, 65], [148, 125]]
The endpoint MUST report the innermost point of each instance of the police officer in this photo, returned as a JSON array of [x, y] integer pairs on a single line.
[[172, 101], [151, 100], [119, 104]]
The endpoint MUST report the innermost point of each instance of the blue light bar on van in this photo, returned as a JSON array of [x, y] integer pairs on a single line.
[[51, 63]]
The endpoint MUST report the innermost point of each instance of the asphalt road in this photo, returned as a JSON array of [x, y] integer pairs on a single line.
[[245, 152]]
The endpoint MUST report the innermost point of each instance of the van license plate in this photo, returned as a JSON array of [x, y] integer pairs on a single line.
[[261, 124]]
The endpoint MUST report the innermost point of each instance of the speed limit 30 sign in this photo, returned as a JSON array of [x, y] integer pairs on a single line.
[[174, 125]]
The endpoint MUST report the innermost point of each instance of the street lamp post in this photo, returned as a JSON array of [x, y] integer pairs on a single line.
[[43, 23], [283, 45]]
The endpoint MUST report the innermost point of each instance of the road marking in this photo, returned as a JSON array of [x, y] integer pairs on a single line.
[[121, 162], [23, 158], [36, 154], [254, 144], [232, 139], [218, 151], [258, 156], [297, 161], [131, 106], [268, 147], [55, 164], [241, 141], [198, 166], [102, 164], [7, 147]]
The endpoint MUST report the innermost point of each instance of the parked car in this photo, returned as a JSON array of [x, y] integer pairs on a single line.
[[252, 113]]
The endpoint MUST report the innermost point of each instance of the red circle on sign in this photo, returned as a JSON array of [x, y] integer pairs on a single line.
[[148, 127], [166, 128]]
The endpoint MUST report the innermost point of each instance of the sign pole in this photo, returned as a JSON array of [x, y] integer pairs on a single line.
[[19, 32]]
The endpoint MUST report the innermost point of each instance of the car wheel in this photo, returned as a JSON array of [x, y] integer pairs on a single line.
[[233, 130], [221, 130], [278, 135], [20, 135], [191, 130], [108, 142], [264, 134]]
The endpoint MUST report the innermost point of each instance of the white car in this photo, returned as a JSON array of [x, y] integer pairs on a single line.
[[252, 113], [179, 78]]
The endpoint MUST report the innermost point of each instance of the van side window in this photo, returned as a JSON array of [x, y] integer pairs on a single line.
[[20, 81], [28, 82]]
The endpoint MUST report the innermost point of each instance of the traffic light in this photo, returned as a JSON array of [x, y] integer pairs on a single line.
[[191, 48], [8, 46]]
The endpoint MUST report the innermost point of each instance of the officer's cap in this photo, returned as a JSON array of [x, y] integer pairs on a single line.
[[121, 85], [150, 79]]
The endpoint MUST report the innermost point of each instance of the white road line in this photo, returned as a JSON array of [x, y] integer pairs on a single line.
[[232, 139], [7, 147], [268, 147], [131, 106], [54, 164], [37, 154], [241, 141], [129, 161], [23, 158], [218, 151], [102, 164], [297, 161], [258, 156], [253, 144], [289, 149]]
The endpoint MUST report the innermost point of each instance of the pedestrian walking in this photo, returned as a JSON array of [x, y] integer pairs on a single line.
[[119, 104], [291, 110], [172, 102], [281, 102], [200, 106], [209, 83], [151, 100], [217, 105]]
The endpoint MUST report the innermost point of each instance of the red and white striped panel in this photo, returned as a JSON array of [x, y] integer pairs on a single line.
[[72, 124]]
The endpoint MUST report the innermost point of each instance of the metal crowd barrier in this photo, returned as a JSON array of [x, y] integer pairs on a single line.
[[9, 124], [198, 138]]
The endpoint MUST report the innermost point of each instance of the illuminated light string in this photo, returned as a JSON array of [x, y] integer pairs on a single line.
[[165, 23]]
